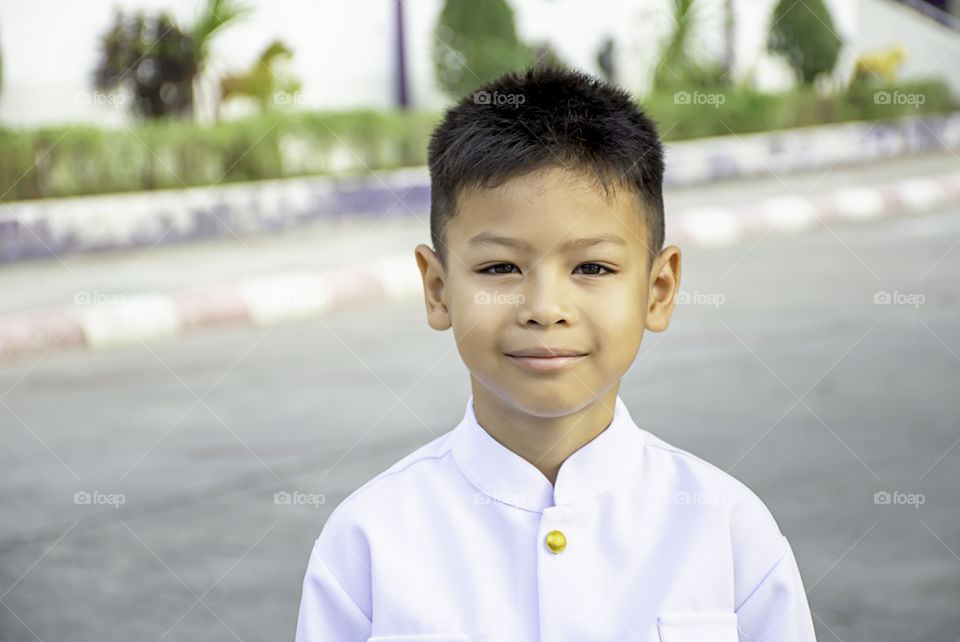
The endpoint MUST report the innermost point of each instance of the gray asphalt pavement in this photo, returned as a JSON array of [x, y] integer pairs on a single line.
[[785, 367]]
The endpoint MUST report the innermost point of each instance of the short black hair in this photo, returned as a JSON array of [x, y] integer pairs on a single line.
[[542, 117]]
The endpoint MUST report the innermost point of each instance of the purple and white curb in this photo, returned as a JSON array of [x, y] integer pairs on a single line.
[[806, 148], [285, 297], [62, 226], [50, 227]]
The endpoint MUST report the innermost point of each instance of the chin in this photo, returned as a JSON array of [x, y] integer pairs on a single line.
[[544, 400]]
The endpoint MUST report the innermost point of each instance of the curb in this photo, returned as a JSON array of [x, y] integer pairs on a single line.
[[62, 226], [715, 226], [301, 295]]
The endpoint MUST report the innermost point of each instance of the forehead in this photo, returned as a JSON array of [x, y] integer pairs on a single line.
[[549, 208]]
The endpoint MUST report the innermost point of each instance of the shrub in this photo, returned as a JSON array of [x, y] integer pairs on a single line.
[[66, 161], [803, 33], [476, 42]]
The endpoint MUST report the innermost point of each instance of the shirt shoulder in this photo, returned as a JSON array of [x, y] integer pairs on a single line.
[[425, 461], [347, 541], [688, 469], [417, 470], [698, 486]]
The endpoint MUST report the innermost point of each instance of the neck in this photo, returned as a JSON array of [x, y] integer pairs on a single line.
[[540, 435]]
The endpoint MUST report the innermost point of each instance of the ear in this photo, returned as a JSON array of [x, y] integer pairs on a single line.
[[663, 288], [434, 287]]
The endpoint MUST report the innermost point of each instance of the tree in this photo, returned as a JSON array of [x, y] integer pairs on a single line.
[[677, 67], [804, 34], [152, 57], [214, 15], [475, 42], [157, 60]]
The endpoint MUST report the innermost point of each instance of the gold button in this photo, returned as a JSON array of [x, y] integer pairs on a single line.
[[556, 541]]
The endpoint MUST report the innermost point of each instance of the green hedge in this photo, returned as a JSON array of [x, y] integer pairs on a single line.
[[744, 111], [173, 154]]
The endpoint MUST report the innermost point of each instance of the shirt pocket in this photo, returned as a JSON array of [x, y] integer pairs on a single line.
[[424, 637], [702, 626]]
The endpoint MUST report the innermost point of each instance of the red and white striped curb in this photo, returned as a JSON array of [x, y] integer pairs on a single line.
[[714, 226], [261, 301], [272, 299]]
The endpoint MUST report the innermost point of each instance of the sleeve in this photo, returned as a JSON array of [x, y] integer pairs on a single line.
[[327, 612], [777, 609]]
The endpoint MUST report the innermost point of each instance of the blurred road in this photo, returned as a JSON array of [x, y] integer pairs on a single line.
[[784, 367]]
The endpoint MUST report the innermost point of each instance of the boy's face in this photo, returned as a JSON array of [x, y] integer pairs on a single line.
[[593, 299]]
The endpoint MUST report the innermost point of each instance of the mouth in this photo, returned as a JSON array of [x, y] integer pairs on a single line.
[[542, 364]]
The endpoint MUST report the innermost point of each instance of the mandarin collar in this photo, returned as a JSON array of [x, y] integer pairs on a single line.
[[600, 465]]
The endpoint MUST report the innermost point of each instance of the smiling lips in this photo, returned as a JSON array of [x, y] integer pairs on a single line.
[[542, 358]]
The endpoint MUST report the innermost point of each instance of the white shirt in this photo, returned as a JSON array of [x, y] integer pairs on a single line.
[[450, 544]]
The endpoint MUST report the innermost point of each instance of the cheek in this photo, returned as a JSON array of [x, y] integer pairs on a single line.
[[620, 318], [476, 324], [481, 302], [621, 323]]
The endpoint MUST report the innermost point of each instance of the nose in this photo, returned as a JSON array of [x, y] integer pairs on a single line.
[[546, 299]]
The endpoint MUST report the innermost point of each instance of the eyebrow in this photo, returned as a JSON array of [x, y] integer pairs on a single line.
[[485, 238]]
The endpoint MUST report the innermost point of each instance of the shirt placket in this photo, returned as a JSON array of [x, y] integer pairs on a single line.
[[555, 544]]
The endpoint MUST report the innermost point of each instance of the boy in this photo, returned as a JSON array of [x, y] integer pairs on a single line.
[[547, 513]]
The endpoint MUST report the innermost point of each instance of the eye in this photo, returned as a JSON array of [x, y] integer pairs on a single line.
[[486, 270], [596, 266]]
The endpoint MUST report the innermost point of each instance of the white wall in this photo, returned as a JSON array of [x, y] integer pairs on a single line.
[[933, 50]]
